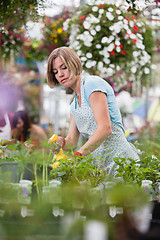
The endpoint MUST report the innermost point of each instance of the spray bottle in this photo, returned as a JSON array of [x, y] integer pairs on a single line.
[[58, 151]]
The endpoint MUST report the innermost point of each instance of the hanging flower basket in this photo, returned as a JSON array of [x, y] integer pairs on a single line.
[[111, 42], [11, 41]]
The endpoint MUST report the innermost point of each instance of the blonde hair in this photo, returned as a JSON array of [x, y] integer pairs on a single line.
[[70, 59]]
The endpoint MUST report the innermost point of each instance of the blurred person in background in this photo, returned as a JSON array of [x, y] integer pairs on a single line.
[[6, 123], [8, 104], [25, 130]]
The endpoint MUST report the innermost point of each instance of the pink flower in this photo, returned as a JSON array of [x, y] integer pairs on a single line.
[[82, 17], [112, 53], [135, 28]]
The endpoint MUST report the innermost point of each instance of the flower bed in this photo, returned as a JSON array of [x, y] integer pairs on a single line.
[[76, 192]]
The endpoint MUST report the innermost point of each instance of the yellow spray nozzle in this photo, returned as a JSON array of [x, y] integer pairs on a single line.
[[53, 138]]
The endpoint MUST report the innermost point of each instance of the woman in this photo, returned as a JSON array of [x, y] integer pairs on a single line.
[[25, 130], [94, 111]]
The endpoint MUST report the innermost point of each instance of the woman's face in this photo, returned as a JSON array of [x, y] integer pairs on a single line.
[[20, 124], [62, 73]]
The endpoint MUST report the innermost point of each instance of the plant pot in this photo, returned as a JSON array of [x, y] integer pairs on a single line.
[[9, 172]]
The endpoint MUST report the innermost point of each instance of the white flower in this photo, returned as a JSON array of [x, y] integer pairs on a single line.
[[118, 49], [125, 21], [142, 62], [117, 42], [101, 11], [87, 43], [91, 19], [120, 17], [125, 26], [98, 46], [110, 47], [132, 36], [76, 45], [146, 70], [106, 60], [111, 38], [133, 69], [110, 9], [154, 157], [83, 59], [117, 27], [118, 67], [100, 65], [139, 24], [140, 4], [109, 71], [136, 53], [109, 16], [139, 44], [89, 64], [104, 52], [104, 40], [103, 70], [139, 36], [93, 32], [118, 12], [90, 38], [129, 31], [98, 28], [131, 23], [86, 33], [86, 24], [79, 52], [93, 63], [89, 55], [95, 9], [65, 25], [118, 3]]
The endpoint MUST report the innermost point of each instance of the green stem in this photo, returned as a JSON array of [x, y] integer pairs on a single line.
[[22, 174], [46, 174], [43, 174], [36, 180]]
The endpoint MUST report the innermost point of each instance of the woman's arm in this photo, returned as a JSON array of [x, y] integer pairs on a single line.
[[99, 105], [73, 135]]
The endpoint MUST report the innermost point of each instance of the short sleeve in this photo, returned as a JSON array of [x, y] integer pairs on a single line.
[[94, 83]]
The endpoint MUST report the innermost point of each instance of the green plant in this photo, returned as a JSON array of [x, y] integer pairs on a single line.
[[79, 169], [147, 168]]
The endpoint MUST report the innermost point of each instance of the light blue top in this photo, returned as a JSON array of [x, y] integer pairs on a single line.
[[114, 145], [95, 83]]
